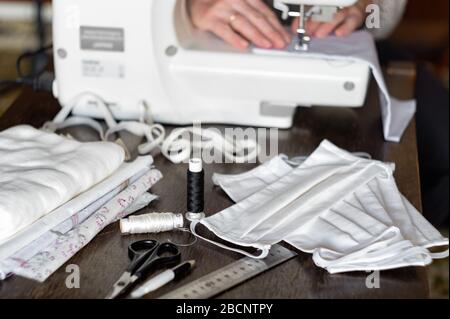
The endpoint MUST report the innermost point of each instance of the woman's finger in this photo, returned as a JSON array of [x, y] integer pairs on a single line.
[[327, 28], [224, 31], [355, 18], [243, 26], [351, 24], [247, 20], [271, 17], [312, 27], [259, 21]]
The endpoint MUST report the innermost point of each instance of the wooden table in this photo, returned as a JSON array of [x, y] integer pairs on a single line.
[[103, 260]]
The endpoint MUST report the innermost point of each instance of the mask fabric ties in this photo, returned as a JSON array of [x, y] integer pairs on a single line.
[[440, 255], [388, 237], [264, 249]]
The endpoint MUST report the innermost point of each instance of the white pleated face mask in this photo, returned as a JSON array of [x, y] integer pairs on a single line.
[[270, 215], [359, 233], [347, 211], [238, 187]]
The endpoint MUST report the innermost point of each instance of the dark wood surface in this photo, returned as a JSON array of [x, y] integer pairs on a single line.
[[104, 259]]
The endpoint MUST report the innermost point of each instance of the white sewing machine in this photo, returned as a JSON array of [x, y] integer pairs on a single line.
[[144, 55]]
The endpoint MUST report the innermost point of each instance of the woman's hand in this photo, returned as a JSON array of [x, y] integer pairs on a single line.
[[344, 23], [240, 22]]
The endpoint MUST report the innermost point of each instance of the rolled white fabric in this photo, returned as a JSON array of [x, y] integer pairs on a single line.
[[41, 171]]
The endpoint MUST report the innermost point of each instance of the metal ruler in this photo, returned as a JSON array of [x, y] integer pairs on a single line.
[[230, 275]]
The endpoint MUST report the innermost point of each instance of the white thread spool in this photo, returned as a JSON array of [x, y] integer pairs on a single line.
[[153, 223]]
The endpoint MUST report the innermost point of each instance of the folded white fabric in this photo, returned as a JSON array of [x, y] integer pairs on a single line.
[[360, 46], [95, 196], [39, 243], [345, 210], [40, 171], [48, 260]]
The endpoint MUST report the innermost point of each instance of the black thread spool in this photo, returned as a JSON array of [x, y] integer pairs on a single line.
[[195, 190]]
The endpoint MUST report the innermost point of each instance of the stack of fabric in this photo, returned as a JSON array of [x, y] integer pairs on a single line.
[[56, 194], [345, 210]]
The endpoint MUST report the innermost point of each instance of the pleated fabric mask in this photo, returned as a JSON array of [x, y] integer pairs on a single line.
[[270, 215], [345, 210]]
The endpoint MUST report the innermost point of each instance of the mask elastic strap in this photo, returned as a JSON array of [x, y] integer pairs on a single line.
[[63, 119], [440, 255], [392, 263], [75, 121], [374, 245], [398, 251], [176, 147], [264, 251]]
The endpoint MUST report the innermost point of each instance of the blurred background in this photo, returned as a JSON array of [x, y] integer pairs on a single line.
[[423, 34]]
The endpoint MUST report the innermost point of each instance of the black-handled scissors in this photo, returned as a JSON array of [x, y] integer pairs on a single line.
[[145, 255]]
